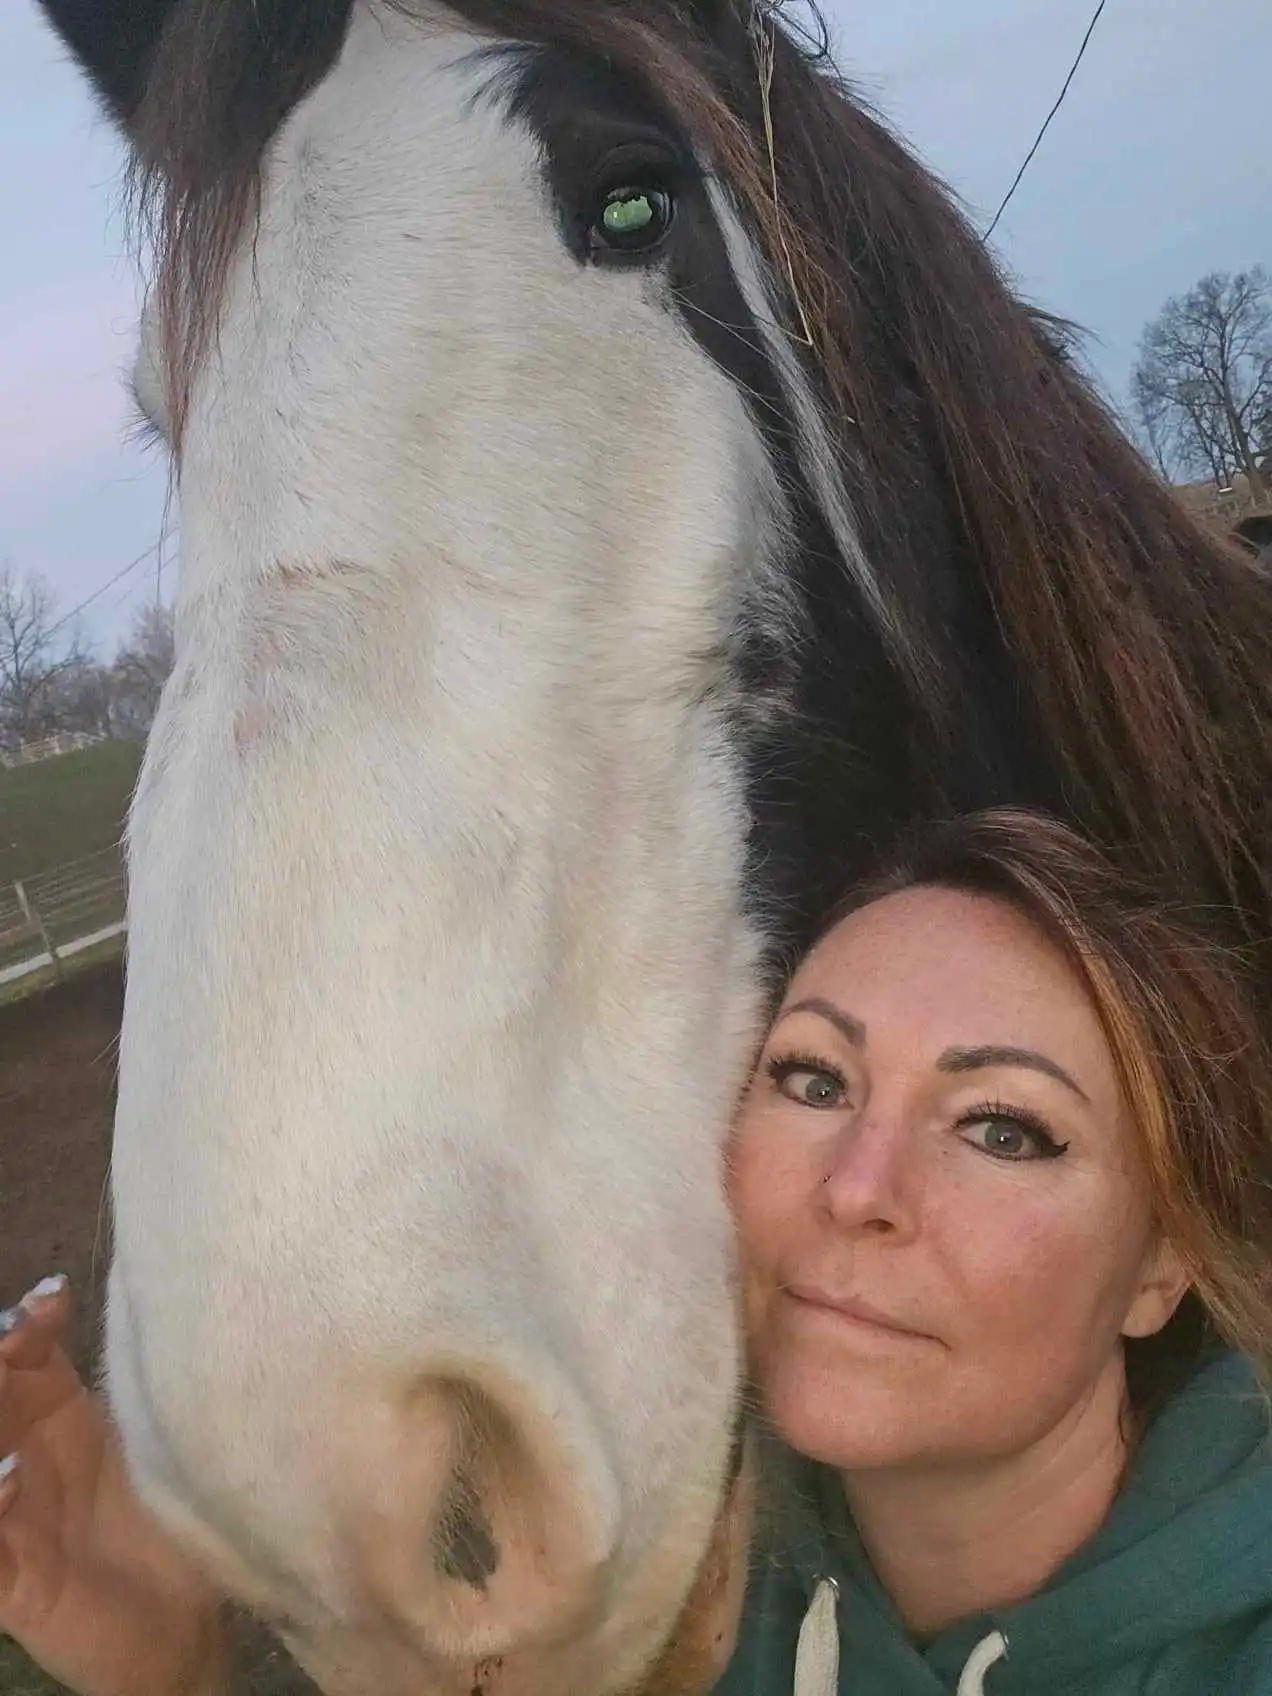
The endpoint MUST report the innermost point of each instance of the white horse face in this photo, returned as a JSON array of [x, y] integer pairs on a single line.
[[422, 1322]]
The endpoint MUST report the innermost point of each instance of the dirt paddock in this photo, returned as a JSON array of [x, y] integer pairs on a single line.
[[57, 1073]]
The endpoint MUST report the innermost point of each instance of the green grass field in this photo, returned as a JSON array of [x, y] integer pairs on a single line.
[[61, 809], [51, 813]]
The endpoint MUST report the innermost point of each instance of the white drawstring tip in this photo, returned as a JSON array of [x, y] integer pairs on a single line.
[[987, 1653], [817, 1650]]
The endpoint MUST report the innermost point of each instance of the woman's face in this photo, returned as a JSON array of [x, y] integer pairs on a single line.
[[941, 1203]]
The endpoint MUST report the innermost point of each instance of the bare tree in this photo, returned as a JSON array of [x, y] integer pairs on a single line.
[[79, 697], [1202, 385], [32, 661], [141, 668]]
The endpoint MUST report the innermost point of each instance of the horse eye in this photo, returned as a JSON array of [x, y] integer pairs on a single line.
[[631, 219]]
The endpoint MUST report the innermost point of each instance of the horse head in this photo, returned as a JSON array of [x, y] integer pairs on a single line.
[[615, 490]]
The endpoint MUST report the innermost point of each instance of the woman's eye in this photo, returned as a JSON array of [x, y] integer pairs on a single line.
[[1008, 1137], [631, 218], [809, 1085]]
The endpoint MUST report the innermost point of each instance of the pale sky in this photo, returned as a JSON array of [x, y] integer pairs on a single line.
[[1156, 170]]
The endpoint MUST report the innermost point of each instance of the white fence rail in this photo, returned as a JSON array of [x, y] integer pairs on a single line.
[[46, 919], [64, 742]]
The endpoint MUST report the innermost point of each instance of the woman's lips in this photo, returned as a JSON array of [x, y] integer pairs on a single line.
[[853, 1311]]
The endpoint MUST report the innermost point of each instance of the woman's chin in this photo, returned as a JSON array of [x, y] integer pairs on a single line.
[[844, 1426]]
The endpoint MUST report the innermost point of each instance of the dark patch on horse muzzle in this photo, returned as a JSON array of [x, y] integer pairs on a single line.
[[464, 1546]]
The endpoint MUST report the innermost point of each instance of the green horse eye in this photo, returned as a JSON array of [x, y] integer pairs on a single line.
[[631, 218], [626, 213]]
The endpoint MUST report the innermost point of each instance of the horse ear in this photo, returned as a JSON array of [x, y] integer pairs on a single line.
[[114, 41]]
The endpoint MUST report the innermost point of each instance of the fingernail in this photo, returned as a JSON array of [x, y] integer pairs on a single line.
[[10, 1319], [46, 1287], [8, 1466]]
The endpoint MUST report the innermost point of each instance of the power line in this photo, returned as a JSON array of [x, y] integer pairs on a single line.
[[129, 591], [1090, 31], [108, 584]]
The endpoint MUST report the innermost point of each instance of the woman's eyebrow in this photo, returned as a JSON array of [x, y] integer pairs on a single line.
[[974, 1059], [851, 1029]]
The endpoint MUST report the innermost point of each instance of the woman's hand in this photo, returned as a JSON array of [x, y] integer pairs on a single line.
[[89, 1584]]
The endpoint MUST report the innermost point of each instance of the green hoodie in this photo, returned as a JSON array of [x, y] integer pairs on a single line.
[[1172, 1596]]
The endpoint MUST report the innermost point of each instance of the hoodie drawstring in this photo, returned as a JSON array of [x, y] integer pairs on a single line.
[[987, 1653], [817, 1650]]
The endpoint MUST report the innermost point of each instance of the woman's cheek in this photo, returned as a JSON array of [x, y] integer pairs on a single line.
[[1020, 1270], [765, 1192]]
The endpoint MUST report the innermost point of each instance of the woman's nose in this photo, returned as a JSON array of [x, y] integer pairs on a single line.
[[869, 1184]]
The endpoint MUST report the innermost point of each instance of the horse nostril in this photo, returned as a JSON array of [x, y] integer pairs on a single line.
[[463, 1543], [485, 1532]]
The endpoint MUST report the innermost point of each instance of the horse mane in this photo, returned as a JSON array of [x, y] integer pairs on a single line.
[[1142, 644]]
